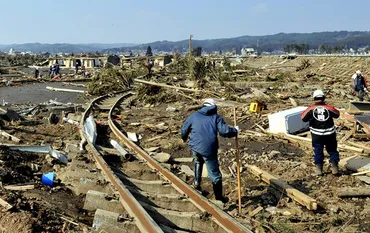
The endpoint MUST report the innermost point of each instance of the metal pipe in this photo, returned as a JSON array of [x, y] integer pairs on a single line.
[[120, 149]]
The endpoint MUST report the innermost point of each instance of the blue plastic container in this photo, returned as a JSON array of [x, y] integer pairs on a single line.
[[48, 179]]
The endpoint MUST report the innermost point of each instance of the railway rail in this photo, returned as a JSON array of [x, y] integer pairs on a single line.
[[156, 199]]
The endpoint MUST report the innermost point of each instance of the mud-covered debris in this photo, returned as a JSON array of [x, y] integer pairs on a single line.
[[187, 170], [10, 115], [162, 157], [171, 109], [132, 137], [149, 94]]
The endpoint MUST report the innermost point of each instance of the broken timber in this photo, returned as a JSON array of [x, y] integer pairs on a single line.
[[346, 136], [282, 186], [173, 87], [8, 136], [353, 192], [64, 89], [19, 187], [5, 204], [366, 148]]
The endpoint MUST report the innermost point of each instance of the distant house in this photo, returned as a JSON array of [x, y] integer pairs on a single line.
[[246, 52], [70, 62], [114, 59], [163, 60]]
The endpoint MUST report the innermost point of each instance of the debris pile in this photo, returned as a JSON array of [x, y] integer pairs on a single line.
[[111, 80], [33, 206]]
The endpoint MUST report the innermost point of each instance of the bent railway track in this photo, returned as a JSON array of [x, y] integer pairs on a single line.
[[156, 199]]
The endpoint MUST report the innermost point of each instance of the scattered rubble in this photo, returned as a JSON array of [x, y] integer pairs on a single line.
[[162, 103]]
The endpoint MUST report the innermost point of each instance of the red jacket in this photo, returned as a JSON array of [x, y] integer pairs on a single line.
[[320, 117]]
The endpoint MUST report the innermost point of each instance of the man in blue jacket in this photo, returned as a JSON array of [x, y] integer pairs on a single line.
[[203, 127]]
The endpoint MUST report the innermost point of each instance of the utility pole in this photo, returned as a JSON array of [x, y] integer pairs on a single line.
[[190, 45]]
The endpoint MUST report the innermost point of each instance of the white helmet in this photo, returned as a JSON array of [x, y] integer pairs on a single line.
[[358, 72], [318, 94], [209, 102]]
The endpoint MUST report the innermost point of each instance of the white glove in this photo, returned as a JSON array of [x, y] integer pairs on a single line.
[[237, 128], [365, 90]]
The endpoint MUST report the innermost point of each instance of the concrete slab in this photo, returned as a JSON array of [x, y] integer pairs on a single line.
[[359, 106], [87, 184], [151, 186], [98, 200], [72, 148], [190, 221], [109, 222], [168, 201]]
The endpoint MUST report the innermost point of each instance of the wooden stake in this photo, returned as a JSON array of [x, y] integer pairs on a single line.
[[238, 166]]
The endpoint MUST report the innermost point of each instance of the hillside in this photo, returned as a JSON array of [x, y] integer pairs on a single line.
[[61, 47], [268, 43], [355, 39]]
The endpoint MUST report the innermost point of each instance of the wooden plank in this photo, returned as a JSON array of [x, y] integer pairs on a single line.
[[360, 136], [354, 192], [359, 145], [19, 187], [346, 136], [360, 173], [65, 90], [284, 187], [348, 117], [5, 204], [167, 86], [8, 136], [256, 211]]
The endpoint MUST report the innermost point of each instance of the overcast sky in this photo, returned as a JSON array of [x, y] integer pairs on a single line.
[[140, 21]]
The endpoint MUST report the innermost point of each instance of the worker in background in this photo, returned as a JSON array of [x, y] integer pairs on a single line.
[[320, 117], [50, 71], [359, 85], [203, 127], [53, 71], [56, 69], [83, 70], [76, 66], [37, 73]]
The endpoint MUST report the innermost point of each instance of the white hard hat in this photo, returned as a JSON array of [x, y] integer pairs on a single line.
[[358, 72], [318, 94], [209, 102]]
